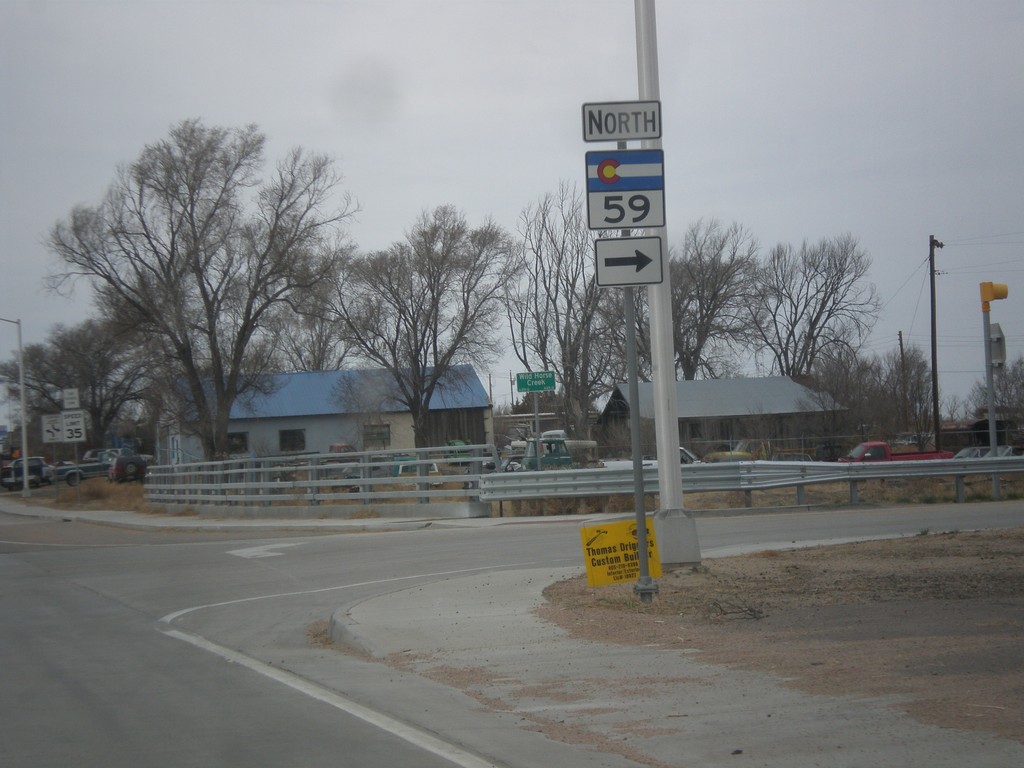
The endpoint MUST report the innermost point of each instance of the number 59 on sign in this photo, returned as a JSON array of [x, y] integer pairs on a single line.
[[625, 189]]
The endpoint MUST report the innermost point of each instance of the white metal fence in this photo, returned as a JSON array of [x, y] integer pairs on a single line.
[[344, 483]]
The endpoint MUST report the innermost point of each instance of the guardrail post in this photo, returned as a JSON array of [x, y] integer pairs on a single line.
[[314, 488], [961, 496], [801, 495], [854, 492]]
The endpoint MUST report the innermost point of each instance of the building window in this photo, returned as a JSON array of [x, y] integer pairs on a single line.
[[238, 443], [376, 436], [291, 440]]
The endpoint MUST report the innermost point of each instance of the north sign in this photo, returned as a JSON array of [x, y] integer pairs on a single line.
[[629, 261], [622, 121], [626, 189]]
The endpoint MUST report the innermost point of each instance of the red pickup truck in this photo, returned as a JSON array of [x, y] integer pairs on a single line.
[[877, 451]]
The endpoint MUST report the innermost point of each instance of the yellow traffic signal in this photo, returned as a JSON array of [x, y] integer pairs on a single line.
[[991, 292]]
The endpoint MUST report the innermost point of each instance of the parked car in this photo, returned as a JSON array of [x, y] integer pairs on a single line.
[[744, 450], [878, 451], [127, 468], [95, 462], [39, 473], [430, 471], [686, 456], [792, 456], [983, 451], [828, 452]]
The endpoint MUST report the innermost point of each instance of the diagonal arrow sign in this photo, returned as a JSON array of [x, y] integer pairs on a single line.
[[639, 260]]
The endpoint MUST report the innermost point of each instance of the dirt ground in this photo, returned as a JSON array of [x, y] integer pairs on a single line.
[[935, 619]]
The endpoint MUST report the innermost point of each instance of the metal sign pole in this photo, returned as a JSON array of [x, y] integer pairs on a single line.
[[645, 586], [677, 537]]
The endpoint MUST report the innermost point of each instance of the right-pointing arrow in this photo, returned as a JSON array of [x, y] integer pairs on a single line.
[[639, 260]]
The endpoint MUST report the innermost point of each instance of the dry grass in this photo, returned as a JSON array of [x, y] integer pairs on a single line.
[[94, 493]]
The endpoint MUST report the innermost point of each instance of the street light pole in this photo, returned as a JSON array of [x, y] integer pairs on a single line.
[[990, 292], [24, 411]]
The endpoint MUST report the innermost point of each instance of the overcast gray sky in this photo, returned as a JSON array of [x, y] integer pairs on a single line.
[[799, 119]]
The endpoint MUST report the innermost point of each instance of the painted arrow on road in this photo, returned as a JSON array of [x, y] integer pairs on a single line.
[[263, 551], [639, 260]]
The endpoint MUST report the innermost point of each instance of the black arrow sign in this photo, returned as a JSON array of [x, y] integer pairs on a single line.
[[640, 260]]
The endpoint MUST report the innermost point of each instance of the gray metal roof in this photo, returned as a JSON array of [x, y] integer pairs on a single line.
[[716, 398]]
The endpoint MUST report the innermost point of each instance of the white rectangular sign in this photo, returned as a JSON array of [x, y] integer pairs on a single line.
[[69, 400], [629, 261], [74, 426], [53, 428], [622, 121], [626, 189]]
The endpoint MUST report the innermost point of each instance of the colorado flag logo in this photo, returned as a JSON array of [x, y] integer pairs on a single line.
[[625, 170]]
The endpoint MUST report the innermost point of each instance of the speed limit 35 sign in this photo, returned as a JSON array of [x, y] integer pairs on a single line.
[[626, 189], [74, 426]]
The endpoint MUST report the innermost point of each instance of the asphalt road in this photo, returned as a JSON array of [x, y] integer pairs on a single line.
[[137, 648]]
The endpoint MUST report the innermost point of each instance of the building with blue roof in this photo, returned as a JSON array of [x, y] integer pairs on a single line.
[[311, 411]]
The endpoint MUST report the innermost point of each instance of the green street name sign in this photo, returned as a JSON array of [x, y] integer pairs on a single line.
[[536, 381]]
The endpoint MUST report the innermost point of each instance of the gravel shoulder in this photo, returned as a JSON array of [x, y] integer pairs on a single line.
[[936, 620]]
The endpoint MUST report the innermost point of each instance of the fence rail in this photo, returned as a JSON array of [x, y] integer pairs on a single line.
[[746, 476], [464, 478], [303, 481]]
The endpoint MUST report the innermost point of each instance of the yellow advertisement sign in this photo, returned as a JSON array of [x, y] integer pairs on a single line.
[[612, 553]]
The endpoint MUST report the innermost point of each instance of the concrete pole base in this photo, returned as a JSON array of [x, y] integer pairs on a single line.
[[676, 533]]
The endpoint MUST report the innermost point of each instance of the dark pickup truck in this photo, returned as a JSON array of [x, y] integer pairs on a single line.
[[94, 463]]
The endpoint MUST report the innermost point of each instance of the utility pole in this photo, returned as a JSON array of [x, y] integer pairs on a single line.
[[937, 423], [903, 386]]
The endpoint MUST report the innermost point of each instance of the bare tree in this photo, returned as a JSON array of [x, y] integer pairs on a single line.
[[102, 362], [610, 318], [711, 293], [905, 397], [427, 304], [554, 311], [309, 336], [190, 249], [1008, 392], [812, 301]]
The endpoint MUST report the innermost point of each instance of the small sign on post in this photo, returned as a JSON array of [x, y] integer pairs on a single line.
[[612, 553], [53, 428], [74, 426], [69, 399], [622, 121], [536, 381], [626, 189]]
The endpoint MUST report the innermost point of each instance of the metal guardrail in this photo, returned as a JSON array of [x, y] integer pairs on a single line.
[[311, 480], [747, 476], [463, 474]]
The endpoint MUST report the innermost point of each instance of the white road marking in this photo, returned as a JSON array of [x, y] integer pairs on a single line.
[[170, 617], [414, 736], [262, 551]]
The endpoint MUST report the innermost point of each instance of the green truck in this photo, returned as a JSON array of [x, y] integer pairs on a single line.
[[557, 452]]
